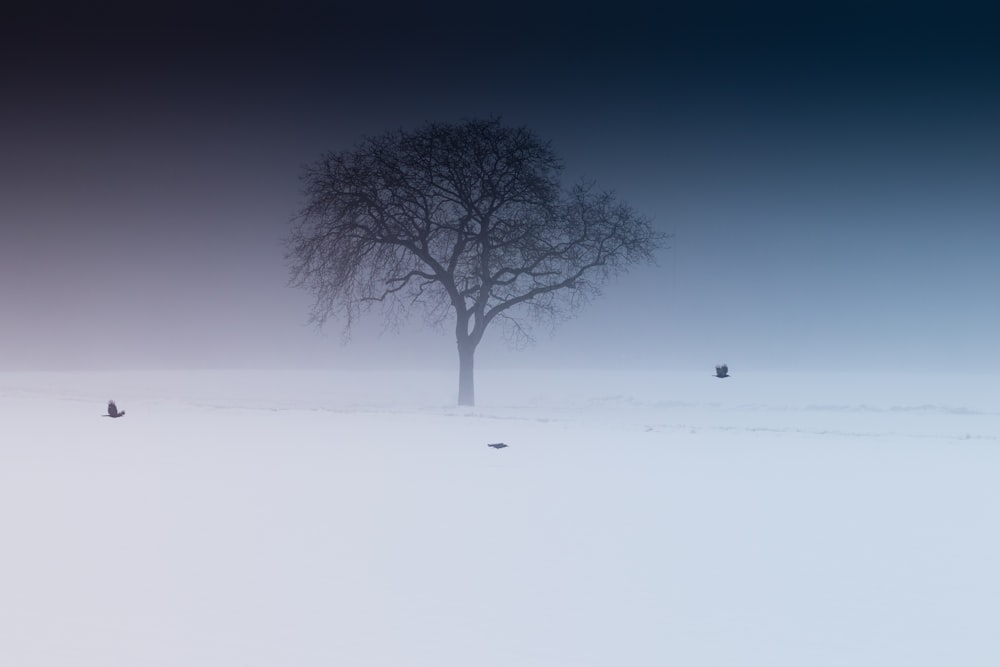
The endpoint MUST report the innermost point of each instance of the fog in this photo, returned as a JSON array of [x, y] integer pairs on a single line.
[[280, 494], [825, 211]]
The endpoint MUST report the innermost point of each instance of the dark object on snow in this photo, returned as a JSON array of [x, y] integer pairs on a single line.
[[496, 445], [113, 410], [722, 371]]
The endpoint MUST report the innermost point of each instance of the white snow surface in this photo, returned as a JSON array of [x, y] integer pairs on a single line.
[[300, 519]]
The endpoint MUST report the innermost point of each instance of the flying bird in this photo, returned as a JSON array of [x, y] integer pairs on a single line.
[[722, 371], [113, 410], [496, 445]]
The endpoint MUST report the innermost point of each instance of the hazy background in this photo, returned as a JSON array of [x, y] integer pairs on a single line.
[[829, 173]]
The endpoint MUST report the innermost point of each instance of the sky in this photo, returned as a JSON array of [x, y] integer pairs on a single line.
[[827, 172]]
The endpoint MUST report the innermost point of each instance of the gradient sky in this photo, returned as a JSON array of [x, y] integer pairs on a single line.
[[829, 173]]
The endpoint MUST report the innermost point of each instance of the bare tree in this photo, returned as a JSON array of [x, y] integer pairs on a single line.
[[466, 220]]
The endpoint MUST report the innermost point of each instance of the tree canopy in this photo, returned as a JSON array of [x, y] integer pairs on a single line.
[[467, 220]]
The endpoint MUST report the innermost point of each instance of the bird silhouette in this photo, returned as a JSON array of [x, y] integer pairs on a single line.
[[497, 445], [722, 371], [113, 410]]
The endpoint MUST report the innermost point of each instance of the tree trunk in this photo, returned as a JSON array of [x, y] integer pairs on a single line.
[[466, 384]]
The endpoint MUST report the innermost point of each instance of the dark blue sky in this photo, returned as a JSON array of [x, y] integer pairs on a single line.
[[829, 173]]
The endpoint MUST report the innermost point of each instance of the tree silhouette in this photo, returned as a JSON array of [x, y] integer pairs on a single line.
[[466, 220]]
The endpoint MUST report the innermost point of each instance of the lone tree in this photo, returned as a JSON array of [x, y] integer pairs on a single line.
[[466, 220]]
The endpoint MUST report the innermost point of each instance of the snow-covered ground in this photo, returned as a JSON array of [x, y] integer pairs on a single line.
[[299, 519]]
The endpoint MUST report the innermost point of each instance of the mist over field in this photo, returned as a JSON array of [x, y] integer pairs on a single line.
[[273, 496]]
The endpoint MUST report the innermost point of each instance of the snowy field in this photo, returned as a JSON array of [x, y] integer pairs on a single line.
[[296, 519]]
